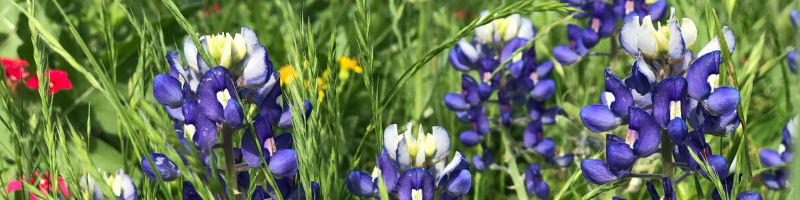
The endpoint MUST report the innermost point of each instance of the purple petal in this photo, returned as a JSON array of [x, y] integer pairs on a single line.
[[416, 179], [535, 108], [597, 118], [234, 115], [360, 184], [793, 16], [543, 90], [478, 119], [565, 55], [205, 135], [719, 166], [771, 181], [748, 195], [175, 113], [469, 89], [283, 141], [257, 67], [658, 10], [642, 78], [250, 151], [620, 157], [533, 134], [462, 116], [590, 38], [455, 102], [388, 170], [622, 95], [669, 192], [723, 101], [546, 148], [283, 163], [550, 114], [544, 69], [770, 158], [595, 171], [652, 190], [459, 183], [677, 130], [697, 76], [163, 165], [470, 138], [213, 82], [564, 161], [646, 131], [511, 46], [458, 60], [189, 192], [793, 60], [669, 94], [167, 91], [477, 162], [542, 190]]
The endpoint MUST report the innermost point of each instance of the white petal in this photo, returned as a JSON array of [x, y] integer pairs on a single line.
[[628, 36], [403, 159], [512, 27], [391, 140], [202, 65], [485, 32], [729, 39], [256, 67], [190, 52], [438, 171], [407, 135], [420, 157], [689, 32], [442, 143], [646, 39], [238, 48], [193, 79], [250, 38], [468, 50], [712, 45], [526, 30], [676, 44], [646, 69]]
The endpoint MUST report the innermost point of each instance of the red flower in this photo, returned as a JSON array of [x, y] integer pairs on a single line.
[[13, 69], [58, 81], [43, 184], [460, 14]]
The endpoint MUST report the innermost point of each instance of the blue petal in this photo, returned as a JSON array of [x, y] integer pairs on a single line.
[[477, 162], [544, 69], [771, 181], [652, 190], [546, 148], [668, 91], [388, 170], [622, 95], [535, 108], [257, 68], [360, 184], [455, 102], [565, 55], [658, 10], [677, 130], [550, 114], [283, 163], [597, 118], [698, 73], [770, 158], [793, 16], [470, 138], [189, 192], [646, 131], [234, 116], [167, 90], [590, 38], [459, 183], [793, 61], [456, 62], [250, 150], [723, 101], [719, 166], [205, 135], [416, 179], [669, 192], [544, 90], [469, 89], [748, 195], [163, 165], [620, 157], [533, 134], [595, 171]]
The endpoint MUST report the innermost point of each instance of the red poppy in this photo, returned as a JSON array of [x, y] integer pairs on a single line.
[[43, 184], [13, 69], [58, 81], [460, 14]]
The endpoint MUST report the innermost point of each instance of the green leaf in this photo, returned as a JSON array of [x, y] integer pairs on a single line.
[[604, 188]]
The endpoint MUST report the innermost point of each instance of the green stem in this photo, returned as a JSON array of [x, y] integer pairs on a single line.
[[519, 186], [227, 147], [666, 153]]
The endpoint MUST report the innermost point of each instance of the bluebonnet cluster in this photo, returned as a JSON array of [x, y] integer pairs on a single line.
[[526, 80], [668, 88], [413, 169], [204, 102], [777, 179], [602, 23], [793, 57]]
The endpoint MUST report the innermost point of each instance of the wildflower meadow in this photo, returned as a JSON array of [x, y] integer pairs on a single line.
[[399, 99]]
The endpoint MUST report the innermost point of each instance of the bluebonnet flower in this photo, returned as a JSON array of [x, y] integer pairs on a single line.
[[627, 9], [275, 150], [793, 16], [121, 185], [572, 53], [415, 168], [614, 108], [669, 42], [771, 158], [494, 43], [793, 60], [534, 183]]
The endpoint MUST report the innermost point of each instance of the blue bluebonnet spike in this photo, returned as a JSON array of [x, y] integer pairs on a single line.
[[534, 183], [416, 183], [793, 60], [470, 138], [163, 165], [668, 100], [167, 90], [214, 91], [644, 136]]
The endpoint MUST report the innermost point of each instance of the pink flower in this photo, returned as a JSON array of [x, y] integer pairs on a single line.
[[43, 184], [58, 81]]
